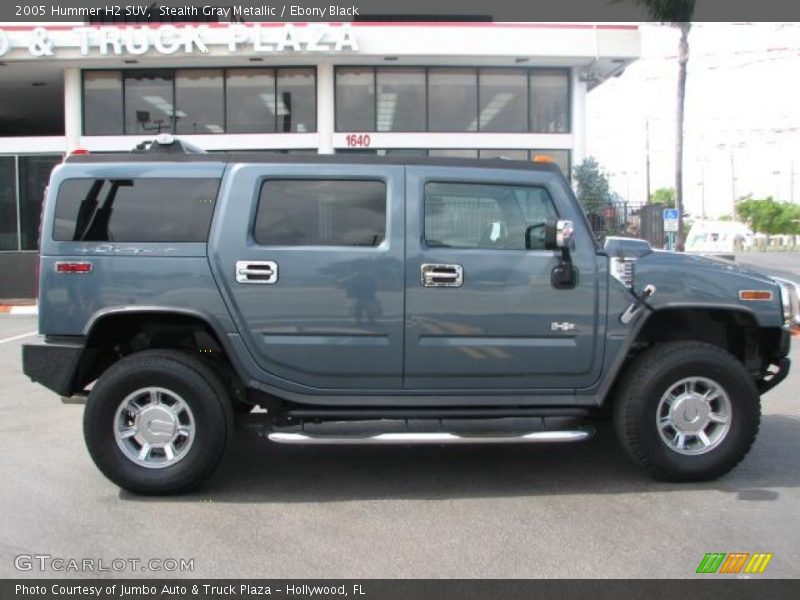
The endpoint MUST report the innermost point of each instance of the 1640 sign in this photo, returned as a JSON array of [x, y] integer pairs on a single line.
[[358, 140]]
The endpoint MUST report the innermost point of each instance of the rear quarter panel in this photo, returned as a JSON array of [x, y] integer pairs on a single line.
[[124, 275]]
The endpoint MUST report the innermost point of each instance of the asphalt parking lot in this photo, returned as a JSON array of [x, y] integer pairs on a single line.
[[579, 510]]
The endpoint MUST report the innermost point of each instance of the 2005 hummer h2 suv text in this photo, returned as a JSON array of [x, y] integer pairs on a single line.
[[361, 300]]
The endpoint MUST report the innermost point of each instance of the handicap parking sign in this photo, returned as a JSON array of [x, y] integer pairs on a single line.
[[671, 214]]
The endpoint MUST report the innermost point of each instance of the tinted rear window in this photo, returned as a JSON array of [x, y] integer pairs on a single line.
[[321, 212], [135, 210]]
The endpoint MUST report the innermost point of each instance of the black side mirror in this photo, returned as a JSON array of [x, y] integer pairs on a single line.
[[529, 233], [564, 276]]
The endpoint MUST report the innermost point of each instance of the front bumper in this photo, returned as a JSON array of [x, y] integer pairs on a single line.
[[775, 377], [53, 363]]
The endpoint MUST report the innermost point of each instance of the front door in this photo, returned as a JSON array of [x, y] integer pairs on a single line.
[[481, 311]]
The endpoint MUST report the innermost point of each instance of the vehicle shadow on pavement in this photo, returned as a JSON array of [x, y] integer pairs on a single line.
[[255, 470]]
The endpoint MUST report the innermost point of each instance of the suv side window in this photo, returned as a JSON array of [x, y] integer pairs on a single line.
[[490, 216], [147, 209], [321, 212]]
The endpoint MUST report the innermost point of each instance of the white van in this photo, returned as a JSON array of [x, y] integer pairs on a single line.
[[718, 238]]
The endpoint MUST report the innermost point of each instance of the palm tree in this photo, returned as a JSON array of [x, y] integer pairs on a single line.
[[677, 13]]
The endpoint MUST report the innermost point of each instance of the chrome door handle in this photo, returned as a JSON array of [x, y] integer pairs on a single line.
[[442, 275], [256, 271]]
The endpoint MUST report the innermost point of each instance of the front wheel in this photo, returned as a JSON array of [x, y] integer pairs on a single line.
[[157, 422], [687, 411]]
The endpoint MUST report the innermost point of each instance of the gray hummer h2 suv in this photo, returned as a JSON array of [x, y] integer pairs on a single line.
[[361, 300]]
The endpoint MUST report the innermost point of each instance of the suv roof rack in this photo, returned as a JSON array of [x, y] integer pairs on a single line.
[[167, 143]]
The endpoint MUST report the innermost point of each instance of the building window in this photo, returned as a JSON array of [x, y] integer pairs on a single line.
[[321, 213], [355, 99], [549, 104], [8, 204], [149, 102], [503, 100], [509, 154], [102, 103], [250, 100], [445, 99], [452, 100], [34, 174], [296, 100], [562, 158], [21, 198], [200, 101], [494, 217], [453, 153], [401, 100]]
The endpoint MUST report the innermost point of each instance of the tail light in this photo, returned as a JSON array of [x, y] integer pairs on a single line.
[[73, 267]]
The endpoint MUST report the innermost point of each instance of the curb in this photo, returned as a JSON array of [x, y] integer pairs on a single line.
[[15, 309]]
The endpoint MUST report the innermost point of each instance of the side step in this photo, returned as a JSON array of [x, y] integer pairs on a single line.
[[534, 437]]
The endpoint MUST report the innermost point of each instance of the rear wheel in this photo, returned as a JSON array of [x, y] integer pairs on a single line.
[[687, 411], [157, 422]]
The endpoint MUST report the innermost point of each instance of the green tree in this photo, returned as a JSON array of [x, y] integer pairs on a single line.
[[665, 196], [677, 13], [593, 189], [770, 217]]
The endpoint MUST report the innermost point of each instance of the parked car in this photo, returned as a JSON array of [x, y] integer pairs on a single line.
[[718, 238], [368, 300]]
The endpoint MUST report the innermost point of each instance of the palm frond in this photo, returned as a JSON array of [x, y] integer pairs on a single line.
[[666, 11]]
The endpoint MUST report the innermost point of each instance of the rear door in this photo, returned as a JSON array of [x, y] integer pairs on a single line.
[[311, 261], [481, 312]]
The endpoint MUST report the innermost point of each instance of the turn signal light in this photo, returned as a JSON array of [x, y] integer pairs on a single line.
[[755, 295], [73, 267]]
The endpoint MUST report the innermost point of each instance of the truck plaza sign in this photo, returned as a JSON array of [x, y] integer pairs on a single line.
[[170, 39]]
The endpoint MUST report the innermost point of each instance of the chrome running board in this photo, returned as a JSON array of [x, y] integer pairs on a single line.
[[575, 435]]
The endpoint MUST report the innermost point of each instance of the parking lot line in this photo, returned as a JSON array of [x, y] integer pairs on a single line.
[[18, 337]]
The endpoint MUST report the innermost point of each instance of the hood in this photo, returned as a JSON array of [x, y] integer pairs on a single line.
[[685, 280], [710, 262]]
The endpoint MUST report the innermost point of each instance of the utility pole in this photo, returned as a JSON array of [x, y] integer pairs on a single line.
[[777, 174], [703, 194], [733, 184], [647, 158]]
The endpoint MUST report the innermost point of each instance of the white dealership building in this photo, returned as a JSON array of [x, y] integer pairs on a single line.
[[439, 89]]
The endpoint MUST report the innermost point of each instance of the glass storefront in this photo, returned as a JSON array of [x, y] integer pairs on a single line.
[[284, 100], [102, 102], [199, 101], [453, 99], [9, 240], [24, 181]]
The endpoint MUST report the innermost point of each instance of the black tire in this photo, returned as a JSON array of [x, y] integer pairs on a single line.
[[177, 372], [651, 375]]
